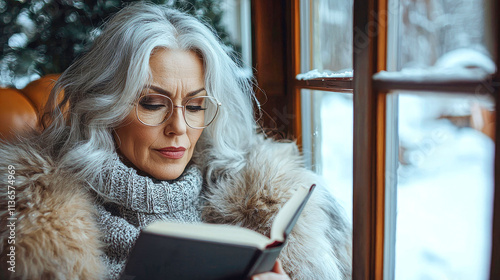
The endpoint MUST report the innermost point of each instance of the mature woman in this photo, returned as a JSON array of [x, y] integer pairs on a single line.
[[154, 123]]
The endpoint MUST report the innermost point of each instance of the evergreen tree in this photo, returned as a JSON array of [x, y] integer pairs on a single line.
[[40, 37]]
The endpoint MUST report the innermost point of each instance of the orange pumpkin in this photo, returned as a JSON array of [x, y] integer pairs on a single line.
[[38, 90], [17, 113]]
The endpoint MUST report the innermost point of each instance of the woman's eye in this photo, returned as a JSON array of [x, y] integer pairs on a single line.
[[152, 106], [194, 108]]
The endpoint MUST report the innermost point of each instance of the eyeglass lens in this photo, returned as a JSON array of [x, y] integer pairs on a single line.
[[199, 112]]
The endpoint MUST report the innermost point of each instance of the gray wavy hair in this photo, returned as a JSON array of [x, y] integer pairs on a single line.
[[98, 89]]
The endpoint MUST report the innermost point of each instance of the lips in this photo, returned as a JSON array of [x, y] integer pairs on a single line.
[[172, 152]]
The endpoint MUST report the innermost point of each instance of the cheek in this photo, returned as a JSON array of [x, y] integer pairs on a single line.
[[133, 139], [194, 136]]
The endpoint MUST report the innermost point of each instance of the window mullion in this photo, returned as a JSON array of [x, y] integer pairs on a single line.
[[369, 140]]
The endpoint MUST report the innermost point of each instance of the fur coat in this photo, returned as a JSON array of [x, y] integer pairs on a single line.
[[48, 228]]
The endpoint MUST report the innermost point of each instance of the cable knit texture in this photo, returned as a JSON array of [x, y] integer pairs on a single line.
[[129, 202]]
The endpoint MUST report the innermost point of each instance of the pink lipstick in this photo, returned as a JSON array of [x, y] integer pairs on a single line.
[[172, 152]]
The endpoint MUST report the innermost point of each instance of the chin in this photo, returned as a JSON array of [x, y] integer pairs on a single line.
[[168, 173]]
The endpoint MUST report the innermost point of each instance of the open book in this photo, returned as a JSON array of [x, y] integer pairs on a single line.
[[177, 251]]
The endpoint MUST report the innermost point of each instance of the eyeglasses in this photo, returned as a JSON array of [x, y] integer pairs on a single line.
[[199, 112]]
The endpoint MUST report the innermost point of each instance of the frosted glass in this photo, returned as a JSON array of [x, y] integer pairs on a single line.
[[442, 33], [336, 143], [445, 188], [330, 37]]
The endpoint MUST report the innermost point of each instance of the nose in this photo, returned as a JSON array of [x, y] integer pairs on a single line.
[[176, 125]]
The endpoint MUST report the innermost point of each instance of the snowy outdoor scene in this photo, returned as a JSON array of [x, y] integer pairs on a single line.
[[444, 189], [444, 174]]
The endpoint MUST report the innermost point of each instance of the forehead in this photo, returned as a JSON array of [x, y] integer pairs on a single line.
[[173, 64]]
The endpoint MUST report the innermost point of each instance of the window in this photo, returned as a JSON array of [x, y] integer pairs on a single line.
[[444, 189], [327, 112], [236, 21], [430, 173], [408, 138]]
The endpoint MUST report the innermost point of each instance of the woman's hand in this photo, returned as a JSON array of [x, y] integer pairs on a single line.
[[276, 274]]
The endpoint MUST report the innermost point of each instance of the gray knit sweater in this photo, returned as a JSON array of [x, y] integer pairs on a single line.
[[129, 202]]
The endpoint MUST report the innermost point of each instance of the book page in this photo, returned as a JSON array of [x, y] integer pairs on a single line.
[[286, 214], [210, 232]]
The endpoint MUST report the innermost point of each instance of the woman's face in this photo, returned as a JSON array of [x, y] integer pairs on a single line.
[[164, 151]]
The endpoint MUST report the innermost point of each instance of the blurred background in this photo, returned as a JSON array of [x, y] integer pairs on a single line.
[[42, 37]]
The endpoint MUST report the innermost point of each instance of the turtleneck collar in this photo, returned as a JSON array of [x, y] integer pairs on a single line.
[[125, 187]]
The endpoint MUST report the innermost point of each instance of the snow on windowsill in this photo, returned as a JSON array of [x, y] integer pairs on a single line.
[[433, 74], [315, 74], [463, 64]]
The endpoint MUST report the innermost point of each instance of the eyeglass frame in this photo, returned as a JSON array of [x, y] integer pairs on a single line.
[[177, 106]]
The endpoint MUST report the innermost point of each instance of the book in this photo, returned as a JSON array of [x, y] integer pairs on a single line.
[[166, 250]]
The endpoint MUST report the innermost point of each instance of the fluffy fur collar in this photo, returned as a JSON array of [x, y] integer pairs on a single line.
[[55, 235], [57, 238], [319, 246]]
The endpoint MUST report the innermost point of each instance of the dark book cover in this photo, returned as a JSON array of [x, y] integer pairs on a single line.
[[157, 256]]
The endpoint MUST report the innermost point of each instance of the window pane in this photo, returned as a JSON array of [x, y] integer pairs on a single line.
[[445, 187], [236, 21], [326, 35], [332, 140], [444, 34]]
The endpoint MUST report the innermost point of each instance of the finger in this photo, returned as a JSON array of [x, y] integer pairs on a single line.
[[278, 268], [270, 276]]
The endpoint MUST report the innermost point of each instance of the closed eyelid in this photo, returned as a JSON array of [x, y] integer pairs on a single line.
[[156, 97]]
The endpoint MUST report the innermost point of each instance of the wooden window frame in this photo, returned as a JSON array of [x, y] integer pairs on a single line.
[[370, 132], [276, 53]]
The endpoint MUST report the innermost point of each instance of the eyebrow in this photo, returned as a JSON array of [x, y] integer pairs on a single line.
[[168, 93]]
